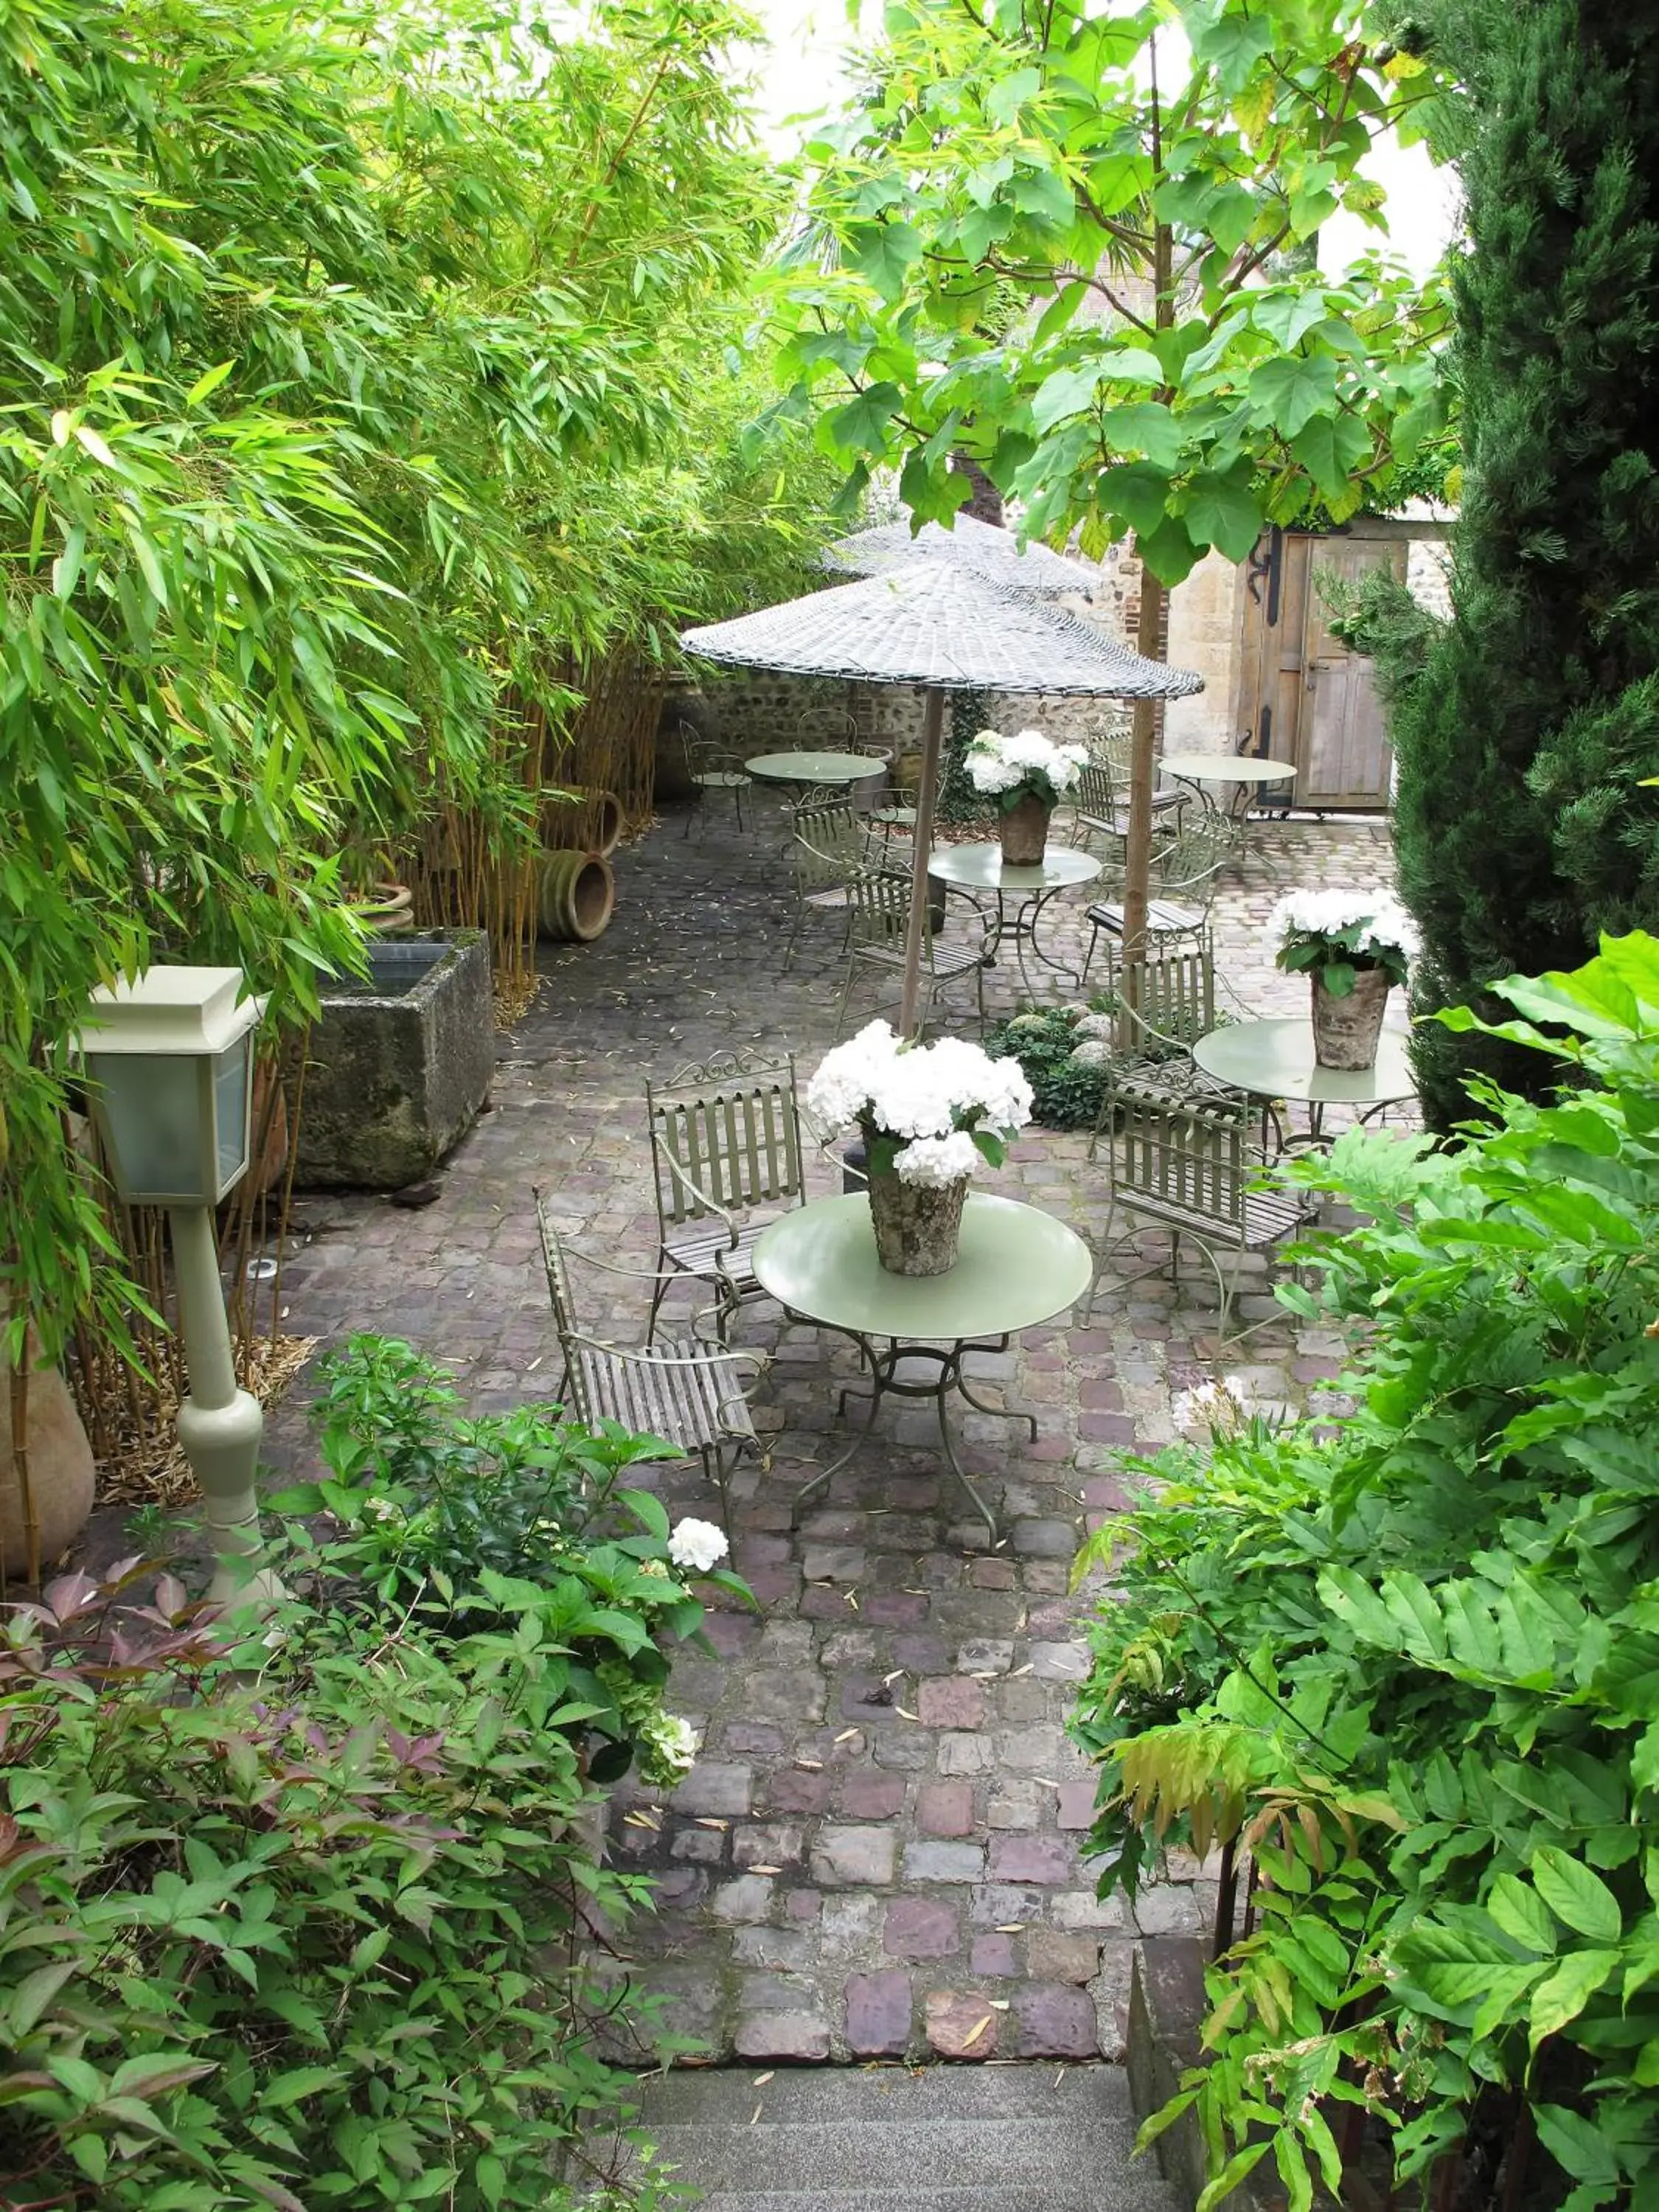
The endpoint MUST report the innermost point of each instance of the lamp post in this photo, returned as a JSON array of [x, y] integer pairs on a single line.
[[169, 1064]]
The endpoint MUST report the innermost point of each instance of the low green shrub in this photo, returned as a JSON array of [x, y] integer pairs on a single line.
[[1066, 1092], [1408, 1661], [302, 1921]]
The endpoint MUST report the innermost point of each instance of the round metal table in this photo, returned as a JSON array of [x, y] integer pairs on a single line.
[[982, 868], [1275, 1060], [1242, 769], [1016, 1266], [816, 767]]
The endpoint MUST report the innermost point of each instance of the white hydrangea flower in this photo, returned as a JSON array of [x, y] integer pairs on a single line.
[[1387, 926], [1221, 1407], [996, 763], [670, 1745], [912, 1092], [697, 1545], [937, 1161]]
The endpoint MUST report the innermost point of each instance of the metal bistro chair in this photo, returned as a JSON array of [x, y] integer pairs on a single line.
[[712, 768], [691, 1395], [879, 923], [1163, 1005], [827, 848], [1100, 807], [1185, 1164], [725, 1139], [1186, 871]]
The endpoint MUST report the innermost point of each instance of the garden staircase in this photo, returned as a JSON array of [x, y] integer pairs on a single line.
[[1034, 2137]]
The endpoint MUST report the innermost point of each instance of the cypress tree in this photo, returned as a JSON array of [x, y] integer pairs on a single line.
[[1522, 727]]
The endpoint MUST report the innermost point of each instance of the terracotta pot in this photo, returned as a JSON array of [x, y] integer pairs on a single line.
[[1024, 832], [576, 896], [1347, 1030], [388, 910], [916, 1223], [60, 1469]]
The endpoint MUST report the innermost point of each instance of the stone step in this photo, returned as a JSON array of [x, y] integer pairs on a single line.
[[1022, 2138], [706, 2095], [1099, 2194], [948, 2153]]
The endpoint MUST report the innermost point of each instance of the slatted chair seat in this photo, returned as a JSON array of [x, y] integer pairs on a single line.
[[1268, 1215], [711, 1250], [691, 1400], [690, 1394], [948, 960], [726, 1155], [1164, 917]]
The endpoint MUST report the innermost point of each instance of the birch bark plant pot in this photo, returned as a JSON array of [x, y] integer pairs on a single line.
[[1024, 832], [1347, 1030], [917, 1224]]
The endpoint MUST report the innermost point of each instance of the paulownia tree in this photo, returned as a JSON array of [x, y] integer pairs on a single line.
[[1143, 180]]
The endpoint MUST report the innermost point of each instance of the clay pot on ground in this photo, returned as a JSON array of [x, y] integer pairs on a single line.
[[60, 1468]]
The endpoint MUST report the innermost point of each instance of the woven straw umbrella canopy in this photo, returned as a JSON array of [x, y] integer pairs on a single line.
[[941, 626], [994, 554]]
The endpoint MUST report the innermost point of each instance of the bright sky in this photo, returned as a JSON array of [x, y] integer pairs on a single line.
[[803, 73]]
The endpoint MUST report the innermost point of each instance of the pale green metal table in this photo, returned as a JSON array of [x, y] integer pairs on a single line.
[[1275, 1060], [805, 767], [982, 868], [1017, 1268]]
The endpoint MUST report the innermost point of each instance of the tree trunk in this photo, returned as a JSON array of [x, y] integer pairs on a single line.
[[1138, 858]]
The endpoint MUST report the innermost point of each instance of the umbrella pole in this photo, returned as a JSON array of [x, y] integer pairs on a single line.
[[932, 729]]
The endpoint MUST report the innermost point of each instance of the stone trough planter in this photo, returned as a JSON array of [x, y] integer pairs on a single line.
[[399, 1063]]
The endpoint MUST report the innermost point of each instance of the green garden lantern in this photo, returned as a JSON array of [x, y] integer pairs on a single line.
[[169, 1066]]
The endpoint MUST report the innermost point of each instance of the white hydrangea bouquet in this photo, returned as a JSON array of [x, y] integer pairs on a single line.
[[1353, 946], [1336, 935], [1028, 765], [1027, 774], [929, 1115]]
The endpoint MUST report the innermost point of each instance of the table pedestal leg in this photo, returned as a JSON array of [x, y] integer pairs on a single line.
[[884, 1379]]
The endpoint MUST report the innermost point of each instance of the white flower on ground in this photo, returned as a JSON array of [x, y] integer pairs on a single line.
[[1221, 1407], [382, 1508], [669, 1744], [937, 1161], [697, 1545]]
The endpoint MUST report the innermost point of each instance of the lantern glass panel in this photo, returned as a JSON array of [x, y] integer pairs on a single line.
[[153, 1120], [230, 1111]]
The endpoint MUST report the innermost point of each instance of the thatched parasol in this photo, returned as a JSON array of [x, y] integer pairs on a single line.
[[993, 553], [941, 626]]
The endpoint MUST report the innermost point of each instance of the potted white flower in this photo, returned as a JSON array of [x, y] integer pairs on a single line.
[[1028, 775], [929, 1115], [1354, 946]]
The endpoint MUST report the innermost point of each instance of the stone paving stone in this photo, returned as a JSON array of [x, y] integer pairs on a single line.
[[878, 2010], [920, 1928], [872, 1819], [961, 2025], [945, 1808], [844, 1855]]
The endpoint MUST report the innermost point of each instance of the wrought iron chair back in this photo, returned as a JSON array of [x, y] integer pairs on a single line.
[[724, 1137], [1168, 998], [827, 730], [831, 829], [1201, 847], [1180, 1161], [880, 905], [562, 1298]]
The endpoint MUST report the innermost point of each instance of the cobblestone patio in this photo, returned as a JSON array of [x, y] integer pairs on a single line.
[[878, 1851]]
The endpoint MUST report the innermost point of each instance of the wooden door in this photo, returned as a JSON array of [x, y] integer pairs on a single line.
[[1344, 759], [1303, 696]]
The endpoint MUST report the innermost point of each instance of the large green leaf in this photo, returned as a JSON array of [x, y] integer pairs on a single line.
[[1224, 511], [1290, 391], [1577, 1896]]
